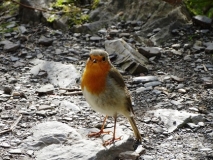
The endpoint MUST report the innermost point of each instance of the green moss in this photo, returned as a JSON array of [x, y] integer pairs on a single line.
[[68, 8], [51, 18], [200, 7], [4, 29], [9, 7], [95, 4]]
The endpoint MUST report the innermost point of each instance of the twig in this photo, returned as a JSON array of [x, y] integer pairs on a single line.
[[205, 68], [74, 93], [70, 89], [13, 125]]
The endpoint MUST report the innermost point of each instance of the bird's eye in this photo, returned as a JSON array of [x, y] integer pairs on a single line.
[[103, 59]]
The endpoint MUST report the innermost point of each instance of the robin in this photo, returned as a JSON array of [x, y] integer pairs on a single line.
[[105, 91]]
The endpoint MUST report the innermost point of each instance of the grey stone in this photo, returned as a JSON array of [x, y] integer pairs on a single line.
[[127, 35], [9, 46], [45, 41], [58, 51], [142, 89], [5, 145], [47, 133], [44, 107], [129, 155], [181, 90], [150, 51], [7, 35], [176, 78], [59, 74], [181, 85], [176, 46], [192, 125], [147, 157], [11, 25], [22, 29], [48, 88], [15, 151], [68, 105], [144, 79], [175, 102], [205, 149], [172, 119], [209, 47], [176, 52], [156, 30], [95, 38], [152, 84], [202, 21], [187, 58], [129, 59], [13, 59]]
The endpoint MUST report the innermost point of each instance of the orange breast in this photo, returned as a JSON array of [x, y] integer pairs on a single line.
[[94, 77]]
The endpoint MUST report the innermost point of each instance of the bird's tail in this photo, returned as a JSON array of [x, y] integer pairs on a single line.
[[135, 129]]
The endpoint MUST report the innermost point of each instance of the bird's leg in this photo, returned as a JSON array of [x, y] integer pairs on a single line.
[[98, 134], [110, 141]]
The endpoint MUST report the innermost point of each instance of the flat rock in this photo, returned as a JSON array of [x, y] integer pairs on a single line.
[[47, 133], [15, 151], [176, 78], [144, 79], [202, 21], [10, 46], [48, 89], [149, 52], [45, 41], [129, 59], [142, 89], [172, 119], [84, 150], [59, 74], [152, 84], [69, 105], [47, 138], [209, 48], [22, 29]]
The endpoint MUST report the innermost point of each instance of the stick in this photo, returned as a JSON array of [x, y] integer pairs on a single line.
[[73, 93], [205, 68], [71, 89], [13, 125]]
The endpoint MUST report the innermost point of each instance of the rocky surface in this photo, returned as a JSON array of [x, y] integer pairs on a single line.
[[43, 114]]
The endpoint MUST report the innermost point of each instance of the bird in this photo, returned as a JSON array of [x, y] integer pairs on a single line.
[[104, 89]]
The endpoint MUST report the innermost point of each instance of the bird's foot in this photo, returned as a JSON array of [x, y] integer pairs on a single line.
[[110, 141], [98, 134]]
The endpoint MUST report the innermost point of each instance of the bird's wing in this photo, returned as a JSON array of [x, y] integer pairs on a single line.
[[114, 74]]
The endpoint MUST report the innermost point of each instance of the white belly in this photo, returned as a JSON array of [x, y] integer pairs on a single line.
[[107, 104]]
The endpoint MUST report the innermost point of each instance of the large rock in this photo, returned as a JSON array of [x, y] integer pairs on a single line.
[[48, 133], [9, 46], [202, 21], [163, 18], [155, 14], [173, 119], [127, 57], [55, 140]]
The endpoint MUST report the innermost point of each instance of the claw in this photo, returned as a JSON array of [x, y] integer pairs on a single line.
[[98, 134], [110, 141]]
